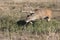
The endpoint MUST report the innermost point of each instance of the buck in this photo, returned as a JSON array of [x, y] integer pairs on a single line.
[[42, 13]]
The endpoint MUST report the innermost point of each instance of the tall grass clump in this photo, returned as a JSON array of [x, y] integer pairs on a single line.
[[43, 26]]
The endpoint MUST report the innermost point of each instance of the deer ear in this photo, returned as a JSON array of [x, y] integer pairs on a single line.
[[31, 13], [28, 15]]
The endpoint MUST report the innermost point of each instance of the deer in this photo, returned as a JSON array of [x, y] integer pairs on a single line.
[[39, 14]]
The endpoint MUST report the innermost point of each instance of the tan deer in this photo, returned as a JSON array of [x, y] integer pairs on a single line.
[[42, 13]]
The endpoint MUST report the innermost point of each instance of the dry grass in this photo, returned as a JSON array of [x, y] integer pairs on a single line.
[[11, 13]]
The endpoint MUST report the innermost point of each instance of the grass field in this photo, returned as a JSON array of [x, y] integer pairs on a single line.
[[12, 29]]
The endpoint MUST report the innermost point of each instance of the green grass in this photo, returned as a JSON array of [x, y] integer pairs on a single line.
[[43, 26], [38, 26]]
